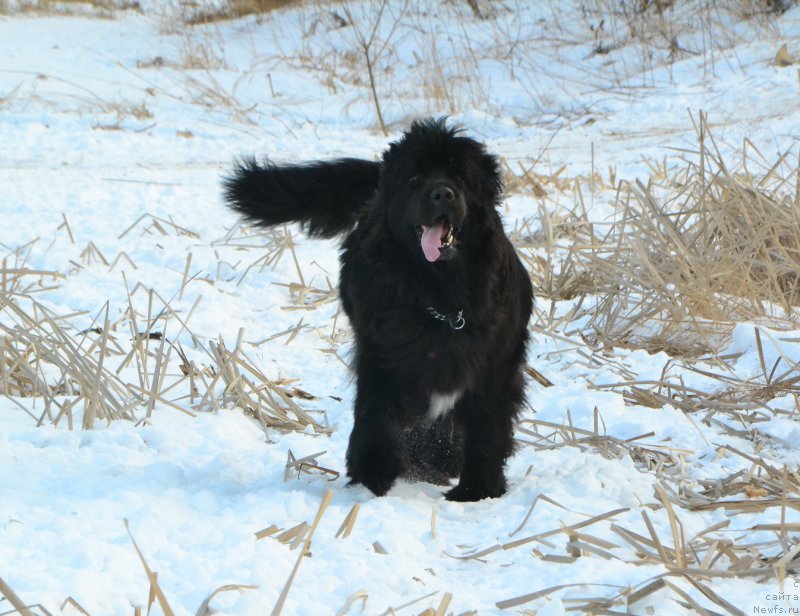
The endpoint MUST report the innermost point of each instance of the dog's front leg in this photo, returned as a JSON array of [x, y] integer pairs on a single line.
[[488, 420], [376, 454]]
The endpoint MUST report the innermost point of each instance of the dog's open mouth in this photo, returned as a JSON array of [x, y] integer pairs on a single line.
[[437, 239]]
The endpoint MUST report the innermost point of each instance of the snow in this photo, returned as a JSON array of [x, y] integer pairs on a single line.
[[114, 135]]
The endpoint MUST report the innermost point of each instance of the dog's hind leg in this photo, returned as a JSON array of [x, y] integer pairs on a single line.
[[436, 450]]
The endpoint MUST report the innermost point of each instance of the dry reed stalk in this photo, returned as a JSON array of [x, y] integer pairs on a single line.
[[361, 595], [285, 592], [267, 532], [293, 536], [93, 404], [349, 521], [155, 590], [688, 255], [270, 402], [41, 339], [230, 9], [160, 225], [45, 340], [656, 541], [712, 596], [688, 599], [543, 535], [607, 445], [393, 610], [186, 277], [521, 600], [717, 248], [443, 604], [14, 600], [532, 507], [70, 601], [644, 547], [206, 610], [529, 179], [306, 464], [674, 523], [705, 555]]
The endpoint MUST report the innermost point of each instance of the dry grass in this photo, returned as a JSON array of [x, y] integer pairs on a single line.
[[448, 66], [702, 245], [668, 260], [763, 552], [667, 31], [124, 368], [189, 13], [302, 533], [106, 9], [707, 244], [304, 552], [697, 248], [724, 245], [234, 9]]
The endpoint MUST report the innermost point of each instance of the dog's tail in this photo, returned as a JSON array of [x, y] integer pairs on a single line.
[[326, 197]]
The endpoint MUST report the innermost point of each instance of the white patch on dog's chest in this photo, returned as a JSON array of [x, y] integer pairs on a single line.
[[440, 404]]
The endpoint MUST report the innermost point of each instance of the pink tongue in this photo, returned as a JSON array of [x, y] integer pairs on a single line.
[[432, 240]]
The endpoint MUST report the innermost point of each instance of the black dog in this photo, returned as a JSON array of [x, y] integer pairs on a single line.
[[437, 297]]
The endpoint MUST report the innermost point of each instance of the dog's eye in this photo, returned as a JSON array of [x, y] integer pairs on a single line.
[[413, 179]]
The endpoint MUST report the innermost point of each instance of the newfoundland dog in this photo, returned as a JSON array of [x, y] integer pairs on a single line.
[[438, 301]]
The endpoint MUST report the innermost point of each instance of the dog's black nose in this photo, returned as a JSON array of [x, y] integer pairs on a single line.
[[441, 194]]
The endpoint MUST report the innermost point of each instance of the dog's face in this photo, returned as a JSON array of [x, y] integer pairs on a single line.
[[435, 184]]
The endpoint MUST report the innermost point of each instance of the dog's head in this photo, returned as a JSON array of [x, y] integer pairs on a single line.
[[437, 185]]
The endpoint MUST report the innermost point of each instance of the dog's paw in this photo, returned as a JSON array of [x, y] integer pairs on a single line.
[[468, 494], [377, 485], [375, 471]]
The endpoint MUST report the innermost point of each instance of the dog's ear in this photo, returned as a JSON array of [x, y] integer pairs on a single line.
[[391, 150], [491, 178]]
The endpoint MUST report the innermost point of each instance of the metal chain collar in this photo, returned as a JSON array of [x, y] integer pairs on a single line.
[[456, 320]]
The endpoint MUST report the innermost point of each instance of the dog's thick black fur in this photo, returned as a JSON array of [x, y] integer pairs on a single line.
[[437, 297]]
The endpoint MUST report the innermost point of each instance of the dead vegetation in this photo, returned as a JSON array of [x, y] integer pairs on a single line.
[[703, 244], [699, 246], [125, 367], [696, 249], [762, 551], [106, 9], [351, 48], [231, 9]]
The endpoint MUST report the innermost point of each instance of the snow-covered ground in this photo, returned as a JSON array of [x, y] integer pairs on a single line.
[[114, 134]]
